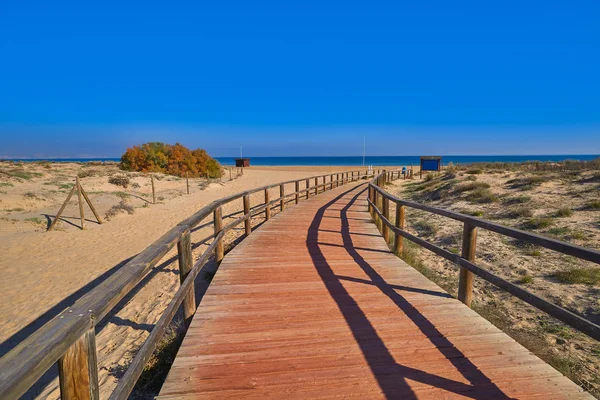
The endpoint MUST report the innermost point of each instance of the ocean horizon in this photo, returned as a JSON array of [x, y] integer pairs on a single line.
[[352, 160]]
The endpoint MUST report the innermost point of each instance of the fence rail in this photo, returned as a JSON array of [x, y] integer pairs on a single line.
[[379, 200], [69, 338]]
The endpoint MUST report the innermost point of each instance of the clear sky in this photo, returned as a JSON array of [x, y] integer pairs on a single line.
[[286, 78]]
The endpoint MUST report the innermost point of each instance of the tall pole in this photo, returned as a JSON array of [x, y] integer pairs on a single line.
[[364, 149]]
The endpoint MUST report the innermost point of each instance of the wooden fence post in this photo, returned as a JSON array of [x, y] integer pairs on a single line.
[[268, 206], [247, 221], [78, 369], [187, 182], [316, 186], [281, 195], [153, 192], [465, 283], [80, 201], [386, 215], [297, 192], [186, 262], [218, 224], [399, 240], [307, 191]]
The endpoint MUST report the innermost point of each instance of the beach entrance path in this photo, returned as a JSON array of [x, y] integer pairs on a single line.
[[314, 305]]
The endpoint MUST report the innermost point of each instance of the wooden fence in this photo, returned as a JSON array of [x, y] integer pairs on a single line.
[[70, 338], [379, 206]]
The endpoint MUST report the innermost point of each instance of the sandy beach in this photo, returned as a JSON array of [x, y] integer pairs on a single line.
[[50, 270]]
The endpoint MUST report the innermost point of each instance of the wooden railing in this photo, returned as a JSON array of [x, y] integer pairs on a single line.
[[379, 206], [70, 338]]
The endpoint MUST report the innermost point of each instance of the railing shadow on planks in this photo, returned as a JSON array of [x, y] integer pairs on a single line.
[[69, 339], [379, 206]]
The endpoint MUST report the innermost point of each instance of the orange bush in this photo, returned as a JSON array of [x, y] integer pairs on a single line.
[[170, 159]]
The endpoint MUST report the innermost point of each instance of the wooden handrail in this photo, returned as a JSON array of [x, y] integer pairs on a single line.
[[71, 333], [466, 261]]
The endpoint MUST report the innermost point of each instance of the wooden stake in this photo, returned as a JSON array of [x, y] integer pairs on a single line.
[[399, 241], [80, 202], [187, 182], [297, 190], [229, 173], [248, 220], [307, 190], [87, 199], [282, 195], [218, 225], [268, 206], [465, 282], [153, 192], [62, 208], [186, 262], [78, 369]]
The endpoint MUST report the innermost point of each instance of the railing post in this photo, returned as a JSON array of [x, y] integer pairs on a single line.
[[316, 186], [267, 205], [78, 369], [218, 224], [248, 220], [307, 190], [297, 192], [282, 200], [399, 240], [465, 282], [186, 262], [386, 215]]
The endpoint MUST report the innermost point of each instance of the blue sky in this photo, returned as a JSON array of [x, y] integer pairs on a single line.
[[300, 78]]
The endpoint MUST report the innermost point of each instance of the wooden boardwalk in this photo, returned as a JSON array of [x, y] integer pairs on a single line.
[[314, 305]]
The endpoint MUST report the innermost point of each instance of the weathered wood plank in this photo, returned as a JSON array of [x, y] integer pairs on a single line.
[[315, 305]]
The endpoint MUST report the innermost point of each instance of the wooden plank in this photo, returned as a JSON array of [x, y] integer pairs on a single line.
[[304, 308]]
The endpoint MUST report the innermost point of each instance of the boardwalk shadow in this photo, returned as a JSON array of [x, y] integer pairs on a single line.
[[391, 376]]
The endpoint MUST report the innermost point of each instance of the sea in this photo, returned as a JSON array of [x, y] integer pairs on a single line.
[[357, 160]]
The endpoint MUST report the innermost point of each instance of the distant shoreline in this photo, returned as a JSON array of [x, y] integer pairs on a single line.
[[349, 160]]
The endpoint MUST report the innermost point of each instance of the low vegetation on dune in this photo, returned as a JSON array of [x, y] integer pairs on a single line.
[[556, 200], [170, 159]]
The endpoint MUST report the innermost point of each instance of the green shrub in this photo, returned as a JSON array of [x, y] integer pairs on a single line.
[[6, 184], [525, 279], [474, 213], [538, 223], [429, 177], [527, 183], [118, 208], [558, 231], [425, 228], [519, 212], [474, 171], [588, 276], [482, 196], [516, 200], [471, 178], [468, 186], [119, 180], [564, 212], [593, 205]]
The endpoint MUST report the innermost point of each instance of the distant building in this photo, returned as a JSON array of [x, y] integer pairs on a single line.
[[242, 162], [430, 163]]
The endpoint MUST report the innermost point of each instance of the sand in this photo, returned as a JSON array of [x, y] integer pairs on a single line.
[[42, 273]]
